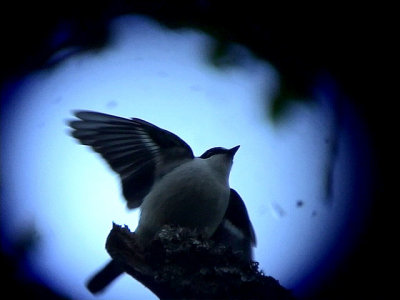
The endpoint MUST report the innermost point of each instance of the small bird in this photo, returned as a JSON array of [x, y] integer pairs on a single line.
[[160, 174]]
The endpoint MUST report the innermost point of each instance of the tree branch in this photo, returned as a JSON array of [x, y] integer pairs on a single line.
[[181, 264]]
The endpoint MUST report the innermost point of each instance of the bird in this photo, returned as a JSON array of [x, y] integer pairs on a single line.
[[160, 174]]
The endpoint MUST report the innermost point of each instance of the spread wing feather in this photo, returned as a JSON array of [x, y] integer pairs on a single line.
[[137, 150]]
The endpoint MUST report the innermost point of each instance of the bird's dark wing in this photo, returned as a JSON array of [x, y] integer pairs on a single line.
[[137, 150], [237, 215], [236, 230]]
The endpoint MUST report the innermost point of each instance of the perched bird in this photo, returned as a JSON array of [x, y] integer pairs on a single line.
[[160, 174]]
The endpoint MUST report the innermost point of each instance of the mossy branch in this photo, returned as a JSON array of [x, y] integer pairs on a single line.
[[181, 264]]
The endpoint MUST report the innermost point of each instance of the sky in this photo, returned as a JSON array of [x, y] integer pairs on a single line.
[[69, 196]]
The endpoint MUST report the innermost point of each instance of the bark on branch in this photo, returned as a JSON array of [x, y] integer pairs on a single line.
[[181, 264]]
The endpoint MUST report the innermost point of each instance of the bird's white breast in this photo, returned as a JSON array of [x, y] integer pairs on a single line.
[[192, 195]]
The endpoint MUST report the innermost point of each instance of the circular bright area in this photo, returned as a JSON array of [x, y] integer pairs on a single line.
[[304, 180]]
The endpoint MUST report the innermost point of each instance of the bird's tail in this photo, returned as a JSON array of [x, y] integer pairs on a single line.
[[104, 277]]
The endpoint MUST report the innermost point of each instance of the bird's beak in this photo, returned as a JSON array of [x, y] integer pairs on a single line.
[[233, 151]]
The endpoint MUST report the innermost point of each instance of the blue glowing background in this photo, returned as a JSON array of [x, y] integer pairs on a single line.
[[70, 197]]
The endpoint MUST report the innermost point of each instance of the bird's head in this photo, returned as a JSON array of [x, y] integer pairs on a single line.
[[228, 153], [220, 158]]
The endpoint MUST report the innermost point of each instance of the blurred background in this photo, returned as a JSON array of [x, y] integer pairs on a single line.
[[298, 91]]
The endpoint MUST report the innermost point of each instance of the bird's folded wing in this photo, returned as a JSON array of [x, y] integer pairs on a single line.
[[236, 214], [138, 151]]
